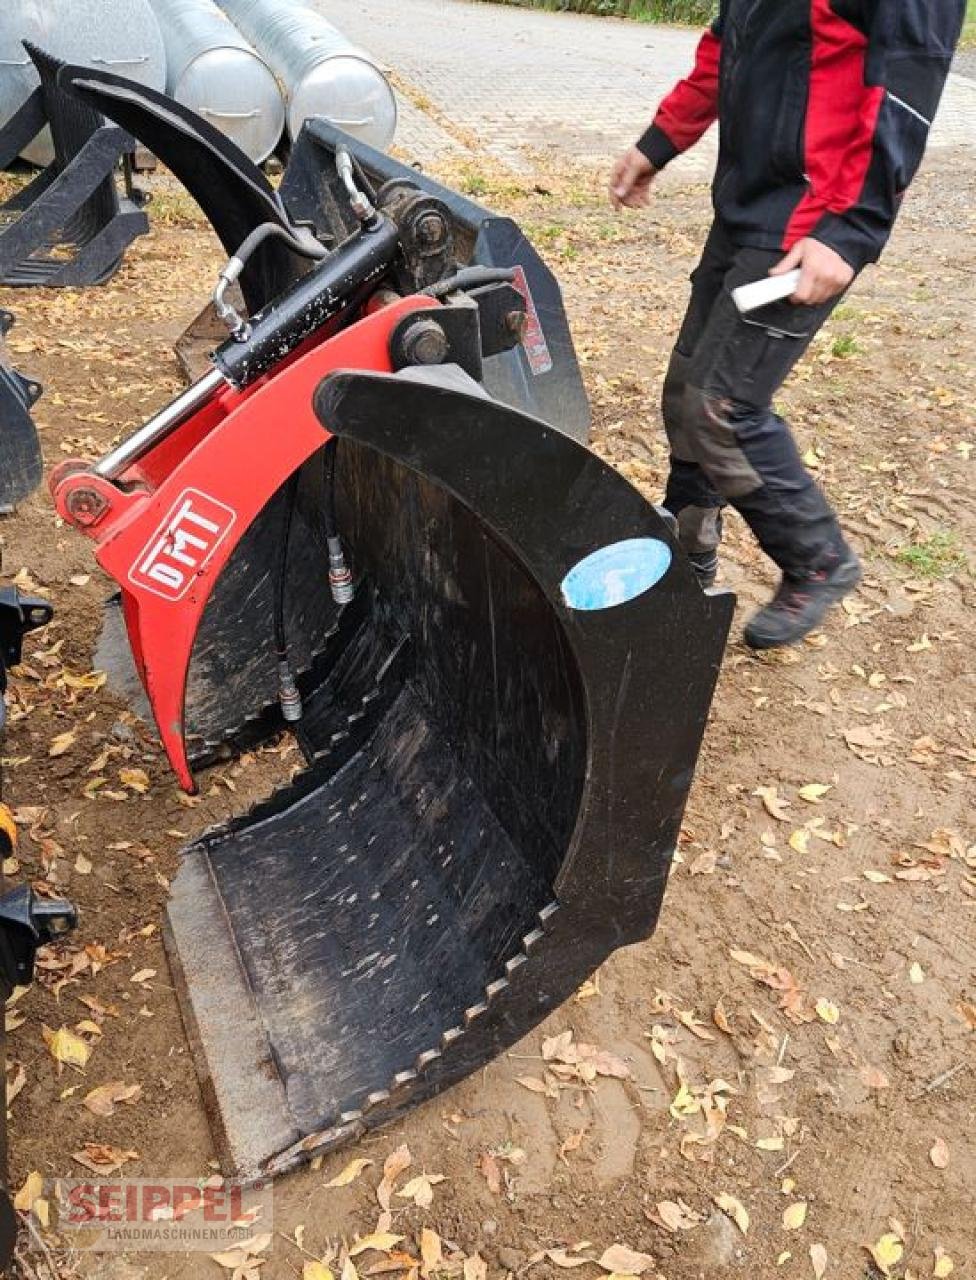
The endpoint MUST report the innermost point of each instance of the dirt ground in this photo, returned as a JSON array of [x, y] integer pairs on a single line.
[[799, 1034]]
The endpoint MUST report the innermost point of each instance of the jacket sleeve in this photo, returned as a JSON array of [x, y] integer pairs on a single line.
[[910, 48], [690, 107]]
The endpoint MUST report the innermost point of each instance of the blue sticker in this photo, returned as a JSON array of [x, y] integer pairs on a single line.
[[615, 574]]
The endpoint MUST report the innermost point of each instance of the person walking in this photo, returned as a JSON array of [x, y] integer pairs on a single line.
[[824, 109]]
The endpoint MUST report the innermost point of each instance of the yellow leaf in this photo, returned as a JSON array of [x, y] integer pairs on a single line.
[[620, 1260], [944, 1266], [475, 1268], [28, 1193], [315, 1270], [876, 877], [61, 743], [431, 1252], [887, 1253], [381, 1241], [827, 1012], [800, 841], [68, 1048], [818, 1259], [795, 1216], [784, 1258], [916, 974], [773, 802], [770, 1144], [814, 792], [684, 1103], [135, 780], [735, 1209], [350, 1173]]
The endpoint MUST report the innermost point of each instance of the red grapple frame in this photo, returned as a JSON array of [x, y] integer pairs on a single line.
[[165, 531]]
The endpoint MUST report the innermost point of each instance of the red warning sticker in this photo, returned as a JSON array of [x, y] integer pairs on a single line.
[[534, 342]]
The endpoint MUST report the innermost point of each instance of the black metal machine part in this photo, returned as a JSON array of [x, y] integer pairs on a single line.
[[496, 787], [330, 288], [70, 225], [26, 921], [21, 465], [542, 376], [233, 682]]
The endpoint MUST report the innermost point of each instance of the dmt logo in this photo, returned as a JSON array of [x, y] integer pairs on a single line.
[[182, 545]]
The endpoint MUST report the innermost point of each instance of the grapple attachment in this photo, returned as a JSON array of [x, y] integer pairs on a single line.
[[501, 755], [494, 656]]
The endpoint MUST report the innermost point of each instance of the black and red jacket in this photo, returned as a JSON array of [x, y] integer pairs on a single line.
[[824, 108]]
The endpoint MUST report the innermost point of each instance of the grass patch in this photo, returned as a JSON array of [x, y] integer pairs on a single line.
[[691, 11], [969, 25], [844, 345], [938, 556]]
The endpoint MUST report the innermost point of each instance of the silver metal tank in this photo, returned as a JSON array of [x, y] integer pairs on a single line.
[[212, 69], [322, 72], [111, 35]]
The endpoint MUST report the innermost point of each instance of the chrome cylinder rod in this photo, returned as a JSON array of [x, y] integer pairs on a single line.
[[157, 428]]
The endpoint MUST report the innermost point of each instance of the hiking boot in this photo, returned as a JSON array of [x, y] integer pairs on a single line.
[[705, 565], [800, 603]]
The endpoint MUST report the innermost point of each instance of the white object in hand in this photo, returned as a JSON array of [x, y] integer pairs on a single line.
[[762, 292]]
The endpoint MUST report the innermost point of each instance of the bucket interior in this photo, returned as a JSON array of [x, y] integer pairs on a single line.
[[374, 901]]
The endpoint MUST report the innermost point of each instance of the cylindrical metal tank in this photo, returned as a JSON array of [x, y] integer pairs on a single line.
[[212, 69], [322, 72], [111, 35]]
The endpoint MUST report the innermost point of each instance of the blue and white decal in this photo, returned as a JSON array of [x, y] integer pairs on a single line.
[[615, 574]]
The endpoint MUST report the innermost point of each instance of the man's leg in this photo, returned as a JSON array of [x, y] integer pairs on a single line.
[[690, 496], [749, 455]]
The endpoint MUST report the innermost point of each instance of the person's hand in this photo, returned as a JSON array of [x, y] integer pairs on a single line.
[[823, 272], [630, 180]]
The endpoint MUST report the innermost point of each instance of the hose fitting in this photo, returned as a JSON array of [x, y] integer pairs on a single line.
[[340, 576], [288, 695]]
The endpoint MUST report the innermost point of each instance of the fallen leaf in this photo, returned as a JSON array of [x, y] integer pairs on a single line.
[[799, 841], [381, 1241], [64, 1046], [567, 1261], [62, 742], [818, 1257], [143, 975], [773, 803], [350, 1173], [80, 579], [475, 1268], [916, 974], [827, 1012], [939, 1155], [944, 1265], [431, 1250], [624, 1261], [102, 1100], [794, 1216], [814, 792], [135, 779], [735, 1209], [492, 1170], [887, 1253], [534, 1085], [103, 1159], [312, 1269], [29, 1192], [676, 1215], [704, 864], [421, 1189]]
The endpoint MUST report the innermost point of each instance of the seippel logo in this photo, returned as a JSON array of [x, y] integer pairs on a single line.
[[182, 545]]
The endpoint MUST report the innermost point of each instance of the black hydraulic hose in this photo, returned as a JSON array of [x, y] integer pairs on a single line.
[[288, 694], [329, 520], [281, 568], [470, 278]]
